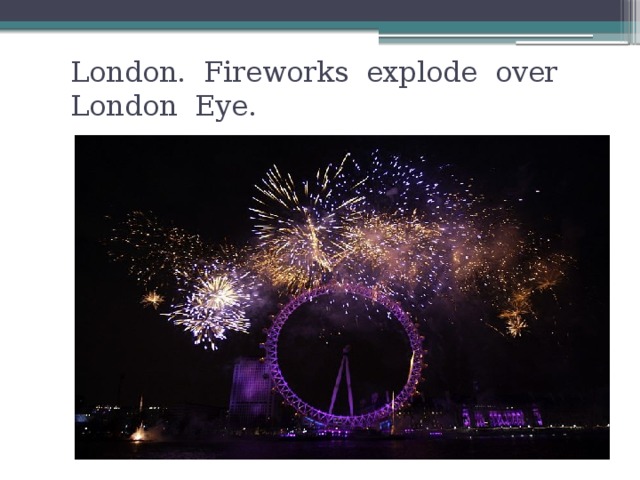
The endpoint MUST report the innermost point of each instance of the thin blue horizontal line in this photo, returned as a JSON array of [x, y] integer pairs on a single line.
[[381, 26]]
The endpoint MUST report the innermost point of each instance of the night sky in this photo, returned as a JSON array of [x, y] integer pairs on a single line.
[[205, 185]]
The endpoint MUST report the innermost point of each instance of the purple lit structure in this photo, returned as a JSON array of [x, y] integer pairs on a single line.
[[536, 416], [252, 401], [368, 420], [497, 417]]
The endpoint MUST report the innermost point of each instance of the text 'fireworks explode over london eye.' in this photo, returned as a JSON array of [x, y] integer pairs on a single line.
[[384, 224]]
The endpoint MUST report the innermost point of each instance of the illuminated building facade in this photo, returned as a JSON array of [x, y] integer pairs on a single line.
[[497, 417], [252, 402]]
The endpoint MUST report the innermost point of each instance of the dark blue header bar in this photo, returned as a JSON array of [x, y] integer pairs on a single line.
[[304, 11]]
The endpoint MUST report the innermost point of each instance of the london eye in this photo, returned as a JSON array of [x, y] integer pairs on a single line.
[[328, 419]]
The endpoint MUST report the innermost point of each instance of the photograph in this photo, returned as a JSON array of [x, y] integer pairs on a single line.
[[342, 297]]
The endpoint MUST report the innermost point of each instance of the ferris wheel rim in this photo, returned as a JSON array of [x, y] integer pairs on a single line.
[[330, 419]]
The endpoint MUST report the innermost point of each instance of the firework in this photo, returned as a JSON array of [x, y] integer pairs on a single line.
[[385, 225], [154, 252], [400, 228], [391, 252], [548, 271], [215, 301], [391, 185], [299, 226], [515, 326], [153, 299]]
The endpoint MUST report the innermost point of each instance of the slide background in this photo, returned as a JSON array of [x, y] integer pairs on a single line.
[[595, 92]]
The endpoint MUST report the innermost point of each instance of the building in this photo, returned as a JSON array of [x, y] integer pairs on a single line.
[[480, 416], [253, 401]]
